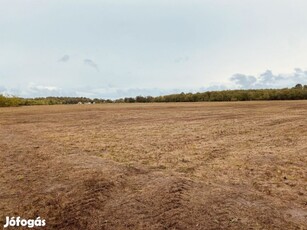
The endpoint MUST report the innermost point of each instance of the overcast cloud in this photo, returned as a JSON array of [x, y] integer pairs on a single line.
[[110, 48]]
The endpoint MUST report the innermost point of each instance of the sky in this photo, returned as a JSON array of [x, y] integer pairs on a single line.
[[121, 48]]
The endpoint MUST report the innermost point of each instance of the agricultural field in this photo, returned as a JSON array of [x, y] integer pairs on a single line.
[[218, 165]]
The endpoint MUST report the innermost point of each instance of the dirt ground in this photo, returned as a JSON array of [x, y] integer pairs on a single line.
[[234, 165]]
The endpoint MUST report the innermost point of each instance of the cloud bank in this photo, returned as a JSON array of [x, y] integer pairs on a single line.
[[269, 80], [264, 80], [108, 92]]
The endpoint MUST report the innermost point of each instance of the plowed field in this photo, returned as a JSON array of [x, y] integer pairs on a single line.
[[234, 165]]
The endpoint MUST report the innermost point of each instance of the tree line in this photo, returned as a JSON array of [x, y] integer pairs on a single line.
[[6, 101], [299, 92]]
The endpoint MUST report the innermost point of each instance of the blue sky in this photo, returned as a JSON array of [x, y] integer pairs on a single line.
[[120, 48]]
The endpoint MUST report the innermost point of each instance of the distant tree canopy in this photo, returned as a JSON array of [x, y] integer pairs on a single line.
[[17, 101], [298, 92]]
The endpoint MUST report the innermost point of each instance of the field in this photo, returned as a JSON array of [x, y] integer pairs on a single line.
[[227, 165]]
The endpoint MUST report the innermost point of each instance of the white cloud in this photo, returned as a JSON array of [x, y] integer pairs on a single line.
[[243, 80], [270, 80], [34, 90]]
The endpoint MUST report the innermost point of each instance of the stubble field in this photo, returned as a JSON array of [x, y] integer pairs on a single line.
[[234, 165]]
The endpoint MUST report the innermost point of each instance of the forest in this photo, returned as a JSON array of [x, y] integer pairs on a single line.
[[299, 92]]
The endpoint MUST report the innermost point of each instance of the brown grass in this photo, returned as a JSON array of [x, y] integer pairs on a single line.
[[235, 165]]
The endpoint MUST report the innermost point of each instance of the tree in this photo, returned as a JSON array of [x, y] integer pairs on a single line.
[[298, 86]]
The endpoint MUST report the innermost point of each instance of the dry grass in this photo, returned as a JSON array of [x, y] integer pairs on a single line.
[[228, 165]]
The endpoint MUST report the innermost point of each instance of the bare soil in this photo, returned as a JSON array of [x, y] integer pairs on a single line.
[[234, 165]]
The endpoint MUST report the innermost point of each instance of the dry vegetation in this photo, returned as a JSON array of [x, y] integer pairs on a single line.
[[233, 165]]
